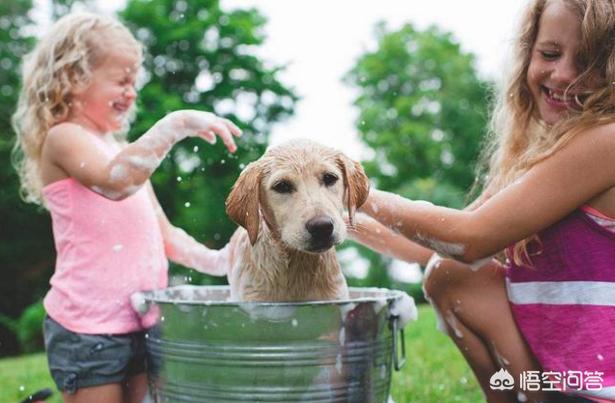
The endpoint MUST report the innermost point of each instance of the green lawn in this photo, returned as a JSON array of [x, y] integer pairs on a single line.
[[434, 372]]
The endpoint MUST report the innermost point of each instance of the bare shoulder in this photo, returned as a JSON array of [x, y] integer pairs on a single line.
[[601, 136], [66, 140], [63, 133], [57, 144], [594, 147]]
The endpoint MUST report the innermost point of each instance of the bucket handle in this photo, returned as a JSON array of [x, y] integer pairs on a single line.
[[398, 332]]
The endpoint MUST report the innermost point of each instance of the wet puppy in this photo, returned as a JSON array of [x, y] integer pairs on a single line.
[[290, 205]]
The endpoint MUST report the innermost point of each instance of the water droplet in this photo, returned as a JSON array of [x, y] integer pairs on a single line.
[[187, 204], [195, 149]]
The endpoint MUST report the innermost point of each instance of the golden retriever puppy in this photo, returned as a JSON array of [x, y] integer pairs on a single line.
[[290, 205]]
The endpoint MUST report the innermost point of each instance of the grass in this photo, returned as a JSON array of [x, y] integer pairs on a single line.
[[434, 371]]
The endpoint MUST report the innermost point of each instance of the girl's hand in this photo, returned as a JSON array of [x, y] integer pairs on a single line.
[[192, 123]]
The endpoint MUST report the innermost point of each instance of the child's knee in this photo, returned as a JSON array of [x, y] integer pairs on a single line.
[[437, 283]]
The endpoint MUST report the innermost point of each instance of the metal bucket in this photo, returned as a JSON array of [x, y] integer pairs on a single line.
[[205, 348]]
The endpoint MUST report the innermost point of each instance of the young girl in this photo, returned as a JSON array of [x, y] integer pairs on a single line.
[[549, 204], [111, 236]]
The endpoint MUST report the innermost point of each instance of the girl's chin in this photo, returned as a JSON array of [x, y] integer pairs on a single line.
[[551, 117], [118, 123]]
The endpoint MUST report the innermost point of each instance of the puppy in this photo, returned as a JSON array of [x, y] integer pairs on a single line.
[[290, 205]]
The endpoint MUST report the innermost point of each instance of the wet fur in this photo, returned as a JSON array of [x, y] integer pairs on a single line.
[[270, 261]]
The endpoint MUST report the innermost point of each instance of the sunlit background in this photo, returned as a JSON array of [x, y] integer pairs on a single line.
[[320, 40], [408, 98]]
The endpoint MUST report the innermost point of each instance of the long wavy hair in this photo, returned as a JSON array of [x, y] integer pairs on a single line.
[[517, 139], [62, 61]]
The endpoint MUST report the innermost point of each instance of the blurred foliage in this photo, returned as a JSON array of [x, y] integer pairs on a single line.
[[423, 111], [201, 57], [198, 56], [26, 247], [28, 327]]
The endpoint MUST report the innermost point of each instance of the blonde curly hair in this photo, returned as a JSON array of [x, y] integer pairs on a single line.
[[61, 62], [518, 140]]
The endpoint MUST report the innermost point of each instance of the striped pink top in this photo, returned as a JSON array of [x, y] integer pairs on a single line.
[[565, 304], [106, 250]]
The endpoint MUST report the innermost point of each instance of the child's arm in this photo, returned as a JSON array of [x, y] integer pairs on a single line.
[[548, 192], [183, 249], [381, 239], [384, 240], [71, 148]]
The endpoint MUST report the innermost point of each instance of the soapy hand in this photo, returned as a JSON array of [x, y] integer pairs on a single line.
[[132, 167], [192, 123]]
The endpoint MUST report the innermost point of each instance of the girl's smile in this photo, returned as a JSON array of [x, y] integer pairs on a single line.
[[558, 99], [553, 65], [104, 104]]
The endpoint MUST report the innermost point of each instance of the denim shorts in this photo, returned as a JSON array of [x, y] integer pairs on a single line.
[[79, 360]]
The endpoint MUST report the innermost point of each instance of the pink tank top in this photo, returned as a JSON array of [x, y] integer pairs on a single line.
[[106, 251]]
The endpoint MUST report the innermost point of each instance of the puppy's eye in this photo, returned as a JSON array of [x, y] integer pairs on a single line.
[[283, 187], [329, 179]]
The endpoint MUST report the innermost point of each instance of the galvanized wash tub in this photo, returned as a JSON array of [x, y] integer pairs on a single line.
[[205, 348]]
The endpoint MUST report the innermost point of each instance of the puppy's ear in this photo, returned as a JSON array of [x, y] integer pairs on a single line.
[[356, 184], [242, 204]]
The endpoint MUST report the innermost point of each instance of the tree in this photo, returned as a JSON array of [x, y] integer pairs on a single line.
[[422, 110], [21, 226], [201, 57], [197, 56]]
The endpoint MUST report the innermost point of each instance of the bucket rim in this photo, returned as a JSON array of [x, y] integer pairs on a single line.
[[159, 297]]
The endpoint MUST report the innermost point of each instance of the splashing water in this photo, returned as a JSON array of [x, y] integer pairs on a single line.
[[443, 248], [499, 357], [118, 173], [480, 263], [434, 262], [405, 308], [451, 319]]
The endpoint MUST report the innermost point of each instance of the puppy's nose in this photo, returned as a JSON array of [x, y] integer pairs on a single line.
[[320, 228]]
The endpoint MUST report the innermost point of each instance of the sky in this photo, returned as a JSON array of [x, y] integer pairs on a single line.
[[320, 40], [323, 39]]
